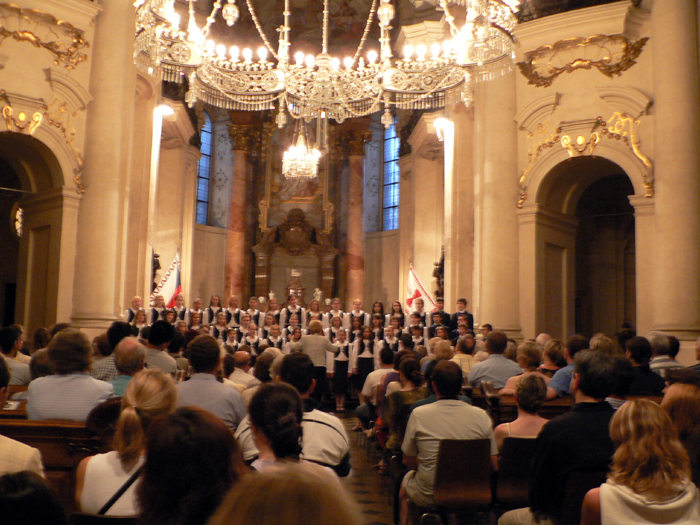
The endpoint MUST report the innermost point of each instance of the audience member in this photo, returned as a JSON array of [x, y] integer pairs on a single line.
[[159, 337], [177, 343], [428, 384], [286, 495], [447, 418], [367, 410], [316, 345], [192, 461], [495, 368], [41, 339], [398, 404], [241, 373], [464, 349], [682, 403], [9, 346], [649, 481], [603, 343], [71, 393], [661, 360], [129, 358], [552, 357], [105, 369], [529, 356], [25, 498], [696, 366], [15, 456], [262, 371], [150, 394], [559, 384], [529, 394], [203, 390], [646, 382], [23, 353], [576, 441], [624, 377]]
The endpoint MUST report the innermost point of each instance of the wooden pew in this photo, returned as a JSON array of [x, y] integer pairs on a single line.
[[63, 444]]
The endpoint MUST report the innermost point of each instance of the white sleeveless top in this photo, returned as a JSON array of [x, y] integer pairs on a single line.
[[104, 476], [620, 505]]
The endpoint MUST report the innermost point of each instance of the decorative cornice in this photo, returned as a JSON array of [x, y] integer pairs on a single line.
[[542, 66], [355, 140]]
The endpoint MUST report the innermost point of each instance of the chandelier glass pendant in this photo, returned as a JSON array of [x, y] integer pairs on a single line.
[[429, 76], [301, 159]]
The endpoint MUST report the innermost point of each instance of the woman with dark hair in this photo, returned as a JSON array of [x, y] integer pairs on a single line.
[[192, 461], [26, 498], [396, 311], [649, 481], [398, 403], [41, 339]]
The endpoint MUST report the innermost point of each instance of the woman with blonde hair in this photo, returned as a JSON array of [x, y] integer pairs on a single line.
[[650, 477], [285, 495], [682, 403], [150, 394], [528, 357]]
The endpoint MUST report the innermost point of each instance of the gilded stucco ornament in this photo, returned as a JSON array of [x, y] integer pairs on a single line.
[[609, 54], [59, 115], [42, 30], [23, 123], [542, 138]]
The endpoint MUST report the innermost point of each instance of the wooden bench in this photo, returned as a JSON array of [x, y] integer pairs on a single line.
[[63, 444]]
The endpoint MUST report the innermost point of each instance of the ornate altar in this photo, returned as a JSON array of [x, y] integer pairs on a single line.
[[295, 252]]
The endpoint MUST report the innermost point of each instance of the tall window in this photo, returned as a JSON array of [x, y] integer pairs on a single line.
[[390, 201], [203, 170]]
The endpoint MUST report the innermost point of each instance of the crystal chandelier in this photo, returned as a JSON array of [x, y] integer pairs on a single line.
[[300, 160], [309, 87]]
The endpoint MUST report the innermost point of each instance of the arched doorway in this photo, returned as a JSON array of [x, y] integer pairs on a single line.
[[10, 231], [578, 265], [42, 260]]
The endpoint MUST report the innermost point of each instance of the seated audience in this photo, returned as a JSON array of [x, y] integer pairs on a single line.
[[463, 354], [496, 368], [398, 404], [192, 461], [15, 456], [241, 373], [624, 377], [25, 498], [367, 410], [262, 371], [529, 394], [203, 390], [649, 481], [10, 343], [552, 357], [71, 393], [150, 394], [286, 495], [528, 357], [159, 337], [561, 380], [603, 343], [682, 403], [646, 382], [105, 369], [661, 360], [428, 384], [129, 358]]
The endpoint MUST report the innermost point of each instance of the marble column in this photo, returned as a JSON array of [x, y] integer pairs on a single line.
[[497, 192], [355, 247], [97, 298], [236, 252], [677, 168]]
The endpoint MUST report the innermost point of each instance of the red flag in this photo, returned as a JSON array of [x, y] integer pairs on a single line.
[[170, 286], [416, 290]]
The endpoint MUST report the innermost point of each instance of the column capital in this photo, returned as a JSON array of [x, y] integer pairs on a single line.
[[355, 140], [243, 136]]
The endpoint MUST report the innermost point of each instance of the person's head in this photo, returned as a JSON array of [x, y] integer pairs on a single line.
[[684, 375], [356, 323], [233, 302], [463, 346], [341, 335], [275, 330], [242, 360], [396, 322], [649, 458], [129, 356], [406, 342], [69, 351], [297, 369], [195, 318], [389, 332], [660, 345], [292, 300], [139, 317], [377, 321], [511, 351], [542, 339], [674, 346], [296, 333], [574, 345], [462, 328], [638, 350], [203, 354], [149, 394], [530, 393], [603, 343], [177, 343], [440, 303], [594, 374], [496, 342], [159, 301], [682, 403], [136, 302], [4, 381], [441, 332], [357, 305], [263, 365], [197, 304], [416, 330], [461, 304], [396, 308], [221, 319], [170, 316], [314, 306], [161, 334], [486, 329], [367, 332], [8, 341], [275, 412], [386, 356], [192, 460], [180, 300], [181, 327], [446, 379], [315, 328], [286, 495], [269, 320], [554, 349], [25, 497], [378, 308], [335, 304], [442, 349], [101, 346], [436, 317], [419, 304], [294, 320], [41, 338], [409, 370], [215, 300], [40, 365], [245, 320], [57, 328], [529, 355], [624, 376]]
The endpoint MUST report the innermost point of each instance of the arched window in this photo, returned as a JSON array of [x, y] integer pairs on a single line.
[[390, 195], [203, 171]]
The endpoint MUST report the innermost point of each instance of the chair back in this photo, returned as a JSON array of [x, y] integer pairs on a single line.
[[463, 474], [577, 484], [80, 518], [514, 472]]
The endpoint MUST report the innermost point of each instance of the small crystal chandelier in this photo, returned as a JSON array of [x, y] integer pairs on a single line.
[[300, 160]]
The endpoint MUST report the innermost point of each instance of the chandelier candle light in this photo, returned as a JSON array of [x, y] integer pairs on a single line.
[[429, 76]]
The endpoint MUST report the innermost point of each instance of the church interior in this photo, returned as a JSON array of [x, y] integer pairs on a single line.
[[555, 186]]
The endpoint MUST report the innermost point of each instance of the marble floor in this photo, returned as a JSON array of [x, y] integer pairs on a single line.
[[366, 485]]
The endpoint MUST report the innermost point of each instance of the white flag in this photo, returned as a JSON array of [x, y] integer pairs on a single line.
[[416, 290], [170, 285]]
